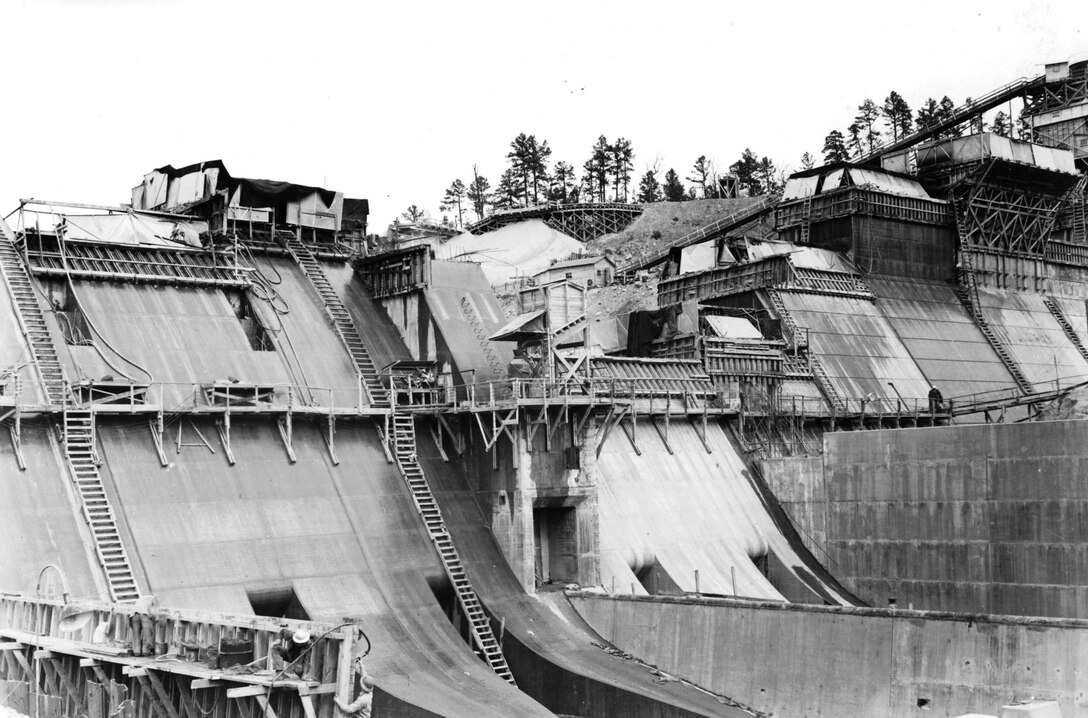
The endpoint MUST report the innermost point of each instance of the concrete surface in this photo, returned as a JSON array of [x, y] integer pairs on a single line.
[[871, 662], [983, 518]]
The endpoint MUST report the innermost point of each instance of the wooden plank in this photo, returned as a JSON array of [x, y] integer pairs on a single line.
[[202, 683], [263, 702], [319, 690], [159, 694], [12, 646], [308, 706], [247, 691]]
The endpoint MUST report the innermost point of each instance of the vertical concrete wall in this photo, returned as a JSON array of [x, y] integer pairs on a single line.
[[515, 476], [983, 518], [796, 660]]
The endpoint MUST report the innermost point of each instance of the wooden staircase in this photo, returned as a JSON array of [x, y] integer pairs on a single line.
[[79, 448], [30, 316], [341, 320], [483, 638]]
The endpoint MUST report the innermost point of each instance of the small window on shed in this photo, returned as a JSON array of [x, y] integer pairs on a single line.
[[570, 275]]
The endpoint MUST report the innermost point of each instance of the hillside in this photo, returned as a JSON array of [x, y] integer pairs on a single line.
[[662, 223]]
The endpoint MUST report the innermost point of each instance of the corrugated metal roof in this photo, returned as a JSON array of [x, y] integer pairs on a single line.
[[520, 327]]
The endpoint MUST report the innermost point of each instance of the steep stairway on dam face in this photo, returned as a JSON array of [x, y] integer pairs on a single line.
[[1063, 322], [483, 638], [797, 336], [30, 317], [967, 291], [341, 319], [78, 424], [79, 448]]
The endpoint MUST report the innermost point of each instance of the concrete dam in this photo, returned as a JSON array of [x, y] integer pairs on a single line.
[[837, 470]]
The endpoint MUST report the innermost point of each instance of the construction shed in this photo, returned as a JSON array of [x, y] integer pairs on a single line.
[[586, 271]]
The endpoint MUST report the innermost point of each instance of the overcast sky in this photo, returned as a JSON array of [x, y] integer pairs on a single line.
[[392, 101]]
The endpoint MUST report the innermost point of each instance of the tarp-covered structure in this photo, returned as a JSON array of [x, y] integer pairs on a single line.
[[259, 200]]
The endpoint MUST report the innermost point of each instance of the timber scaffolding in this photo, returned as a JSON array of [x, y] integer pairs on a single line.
[[51, 664], [583, 221], [775, 272]]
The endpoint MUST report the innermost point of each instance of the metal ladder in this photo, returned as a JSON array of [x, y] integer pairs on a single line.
[[823, 381], [806, 219], [30, 317], [341, 320], [79, 448], [967, 291], [483, 638], [481, 336], [790, 326], [1066, 326]]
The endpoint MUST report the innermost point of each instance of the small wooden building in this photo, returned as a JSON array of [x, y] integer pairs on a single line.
[[585, 271]]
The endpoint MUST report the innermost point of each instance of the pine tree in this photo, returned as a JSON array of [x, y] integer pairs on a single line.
[[414, 213], [529, 164], [598, 166], [927, 115], [835, 148], [945, 112], [455, 195], [673, 189], [807, 161], [589, 181], [563, 177], [649, 189], [478, 193], [510, 191], [854, 143], [1002, 125], [767, 176], [867, 118], [745, 169], [1024, 129], [621, 163], [897, 114], [700, 173]]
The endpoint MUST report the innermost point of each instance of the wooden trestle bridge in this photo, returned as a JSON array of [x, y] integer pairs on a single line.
[[583, 221]]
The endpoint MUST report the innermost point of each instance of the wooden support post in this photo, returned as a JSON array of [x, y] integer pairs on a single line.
[[159, 692], [262, 700], [436, 434]]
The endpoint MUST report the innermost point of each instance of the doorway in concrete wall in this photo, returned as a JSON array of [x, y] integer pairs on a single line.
[[555, 544]]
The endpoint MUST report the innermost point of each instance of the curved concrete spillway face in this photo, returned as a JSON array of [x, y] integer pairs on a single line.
[[672, 516], [344, 538]]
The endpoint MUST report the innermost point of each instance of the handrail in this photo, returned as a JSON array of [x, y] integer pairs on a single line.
[[959, 114]]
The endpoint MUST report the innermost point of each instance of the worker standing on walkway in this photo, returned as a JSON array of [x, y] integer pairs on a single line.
[[291, 655], [362, 705], [141, 625], [936, 400]]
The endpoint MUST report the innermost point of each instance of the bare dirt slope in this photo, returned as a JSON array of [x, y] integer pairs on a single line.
[[662, 223]]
